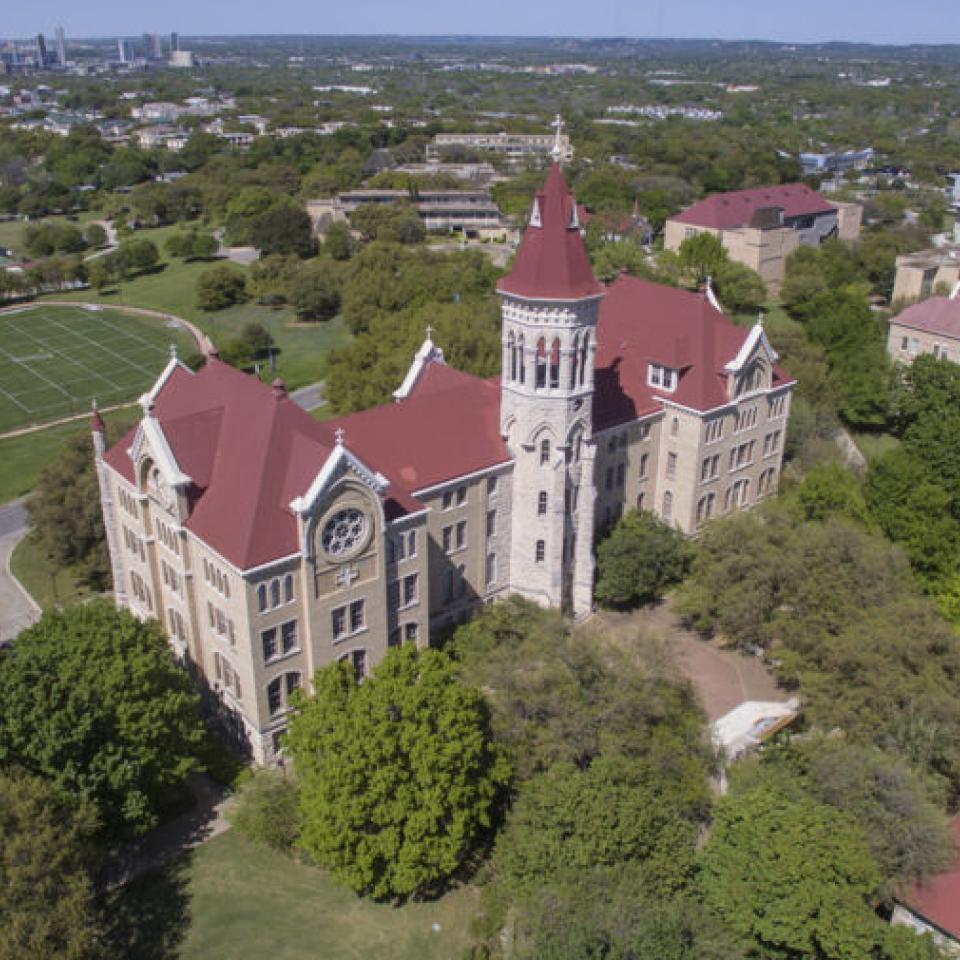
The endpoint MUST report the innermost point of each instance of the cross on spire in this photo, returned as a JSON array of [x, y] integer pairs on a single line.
[[429, 332], [338, 433], [557, 151]]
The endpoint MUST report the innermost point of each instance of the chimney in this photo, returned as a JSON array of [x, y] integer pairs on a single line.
[[279, 389]]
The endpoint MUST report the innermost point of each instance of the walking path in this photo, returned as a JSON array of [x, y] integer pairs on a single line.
[[309, 397], [17, 608], [205, 821]]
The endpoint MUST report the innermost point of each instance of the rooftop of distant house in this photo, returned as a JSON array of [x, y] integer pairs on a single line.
[[937, 899], [727, 211]]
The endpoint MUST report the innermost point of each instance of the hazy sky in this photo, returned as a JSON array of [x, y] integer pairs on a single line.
[[876, 21]]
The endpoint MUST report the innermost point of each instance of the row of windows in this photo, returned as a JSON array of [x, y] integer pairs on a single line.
[[279, 641], [168, 538], [405, 633], [547, 361], [271, 595], [741, 456], [402, 547], [134, 544], [450, 496], [404, 593], [128, 503], [771, 443], [227, 676], [454, 583], [618, 475], [216, 577], [221, 623], [776, 406], [171, 578], [746, 418], [348, 620], [713, 430], [455, 536], [140, 590], [664, 378]]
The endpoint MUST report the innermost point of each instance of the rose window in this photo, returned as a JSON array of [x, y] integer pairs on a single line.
[[343, 532]]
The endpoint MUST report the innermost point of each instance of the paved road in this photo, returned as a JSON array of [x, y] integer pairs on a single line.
[[17, 609], [309, 397]]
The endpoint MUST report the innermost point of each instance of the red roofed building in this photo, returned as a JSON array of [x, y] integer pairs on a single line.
[[269, 544], [933, 906], [762, 226], [931, 326]]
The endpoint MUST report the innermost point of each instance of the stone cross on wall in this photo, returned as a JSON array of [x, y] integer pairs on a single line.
[[347, 575]]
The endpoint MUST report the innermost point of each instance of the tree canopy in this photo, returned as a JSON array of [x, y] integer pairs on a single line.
[[399, 777], [92, 701]]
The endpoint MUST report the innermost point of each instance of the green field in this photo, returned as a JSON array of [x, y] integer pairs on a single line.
[[55, 360], [230, 899]]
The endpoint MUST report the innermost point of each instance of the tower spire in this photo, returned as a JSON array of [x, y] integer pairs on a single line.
[[557, 151]]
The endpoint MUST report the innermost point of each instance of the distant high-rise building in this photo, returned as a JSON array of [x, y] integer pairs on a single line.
[[41, 51], [61, 47], [123, 50], [174, 41], [155, 47]]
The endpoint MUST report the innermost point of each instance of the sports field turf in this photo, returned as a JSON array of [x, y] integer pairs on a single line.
[[55, 360]]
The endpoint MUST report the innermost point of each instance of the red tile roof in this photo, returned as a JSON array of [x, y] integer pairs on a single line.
[[724, 211], [939, 315], [643, 323], [552, 263], [250, 452], [938, 899]]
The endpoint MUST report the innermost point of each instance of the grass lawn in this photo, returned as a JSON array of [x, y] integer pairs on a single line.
[[11, 231], [46, 584], [54, 360], [302, 347], [22, 458], [231, 899]]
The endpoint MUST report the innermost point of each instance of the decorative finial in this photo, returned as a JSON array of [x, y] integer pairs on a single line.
[[93, 404], [760, 318], [173, 351], [557, 151], [429, 332], [338, 433]]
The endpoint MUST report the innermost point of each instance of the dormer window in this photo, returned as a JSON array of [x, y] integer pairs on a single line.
[[661, 377]]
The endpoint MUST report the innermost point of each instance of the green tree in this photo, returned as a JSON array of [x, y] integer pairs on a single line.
[[315, 290], [92, 701], [829, 490], [191, 245], [617, 810], [219, 288], [399, 777], [47, 903], [638, 559], [794, 876], [95, 236], [739, 288], [702, 255], [284, 227], [265, 809], [338, 244]]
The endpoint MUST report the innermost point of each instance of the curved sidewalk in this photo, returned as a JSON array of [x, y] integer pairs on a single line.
[[18, 609]]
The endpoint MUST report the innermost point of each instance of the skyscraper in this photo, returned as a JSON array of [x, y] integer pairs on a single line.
[[41, 51], [155, 47], [123, 50], [61, 47], [174, 41]]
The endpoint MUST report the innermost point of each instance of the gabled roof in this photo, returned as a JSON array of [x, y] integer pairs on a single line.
[[251, 452], [643, 323], [552, 263], [724, 211], [937, 900], [939, 315]]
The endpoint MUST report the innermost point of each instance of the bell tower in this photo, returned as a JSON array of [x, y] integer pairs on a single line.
[[549, 307]]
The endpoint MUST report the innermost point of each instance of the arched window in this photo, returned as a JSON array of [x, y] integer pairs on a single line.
[[261, 597], [275, 696], [577, 445], [512, 350], [274, 593], [584, 347], [541, 370], [555, 364], [288, 588], [544, 452], [574, 361], [521, 361], [542, 503]]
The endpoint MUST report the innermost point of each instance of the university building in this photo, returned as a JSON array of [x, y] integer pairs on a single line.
[[269, 544]]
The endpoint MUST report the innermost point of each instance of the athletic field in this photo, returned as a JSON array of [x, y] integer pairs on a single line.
[[55, 360]]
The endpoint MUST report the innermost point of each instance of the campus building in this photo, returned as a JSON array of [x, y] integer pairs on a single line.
[[761, 227], [517, 148], [931, 326], [270, 544]]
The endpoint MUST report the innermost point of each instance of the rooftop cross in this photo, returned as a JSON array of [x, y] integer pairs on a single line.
[[338, 433], [557, 151], [429, 332]]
